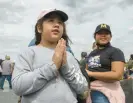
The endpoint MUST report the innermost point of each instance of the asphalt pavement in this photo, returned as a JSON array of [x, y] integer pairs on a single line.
[[7, 95]]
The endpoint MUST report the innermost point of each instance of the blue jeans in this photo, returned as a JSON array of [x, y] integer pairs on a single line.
[[98, 97], [2, 80]]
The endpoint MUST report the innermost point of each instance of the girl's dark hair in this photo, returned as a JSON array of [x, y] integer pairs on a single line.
[[38, 35]]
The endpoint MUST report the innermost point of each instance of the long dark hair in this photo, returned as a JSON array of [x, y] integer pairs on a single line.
[[38, 35]]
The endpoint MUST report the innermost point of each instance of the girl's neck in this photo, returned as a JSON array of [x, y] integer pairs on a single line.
[[48, 44], [103, 46]]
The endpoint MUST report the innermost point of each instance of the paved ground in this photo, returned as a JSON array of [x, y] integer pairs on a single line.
[[7, 95]]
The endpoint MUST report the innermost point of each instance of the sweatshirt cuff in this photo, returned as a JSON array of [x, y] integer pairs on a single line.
[[54, 69], [65, 69], [49, 71]]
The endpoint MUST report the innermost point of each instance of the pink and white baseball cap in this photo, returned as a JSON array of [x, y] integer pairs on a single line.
[[62, 14]]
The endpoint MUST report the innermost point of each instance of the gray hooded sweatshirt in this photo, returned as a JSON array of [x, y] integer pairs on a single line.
[[37, 80]]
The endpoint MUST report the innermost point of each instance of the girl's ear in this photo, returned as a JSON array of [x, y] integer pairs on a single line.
[[39, 29]]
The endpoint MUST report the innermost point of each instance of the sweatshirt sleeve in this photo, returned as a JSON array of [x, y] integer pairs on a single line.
[[72, 74], [25, 80]]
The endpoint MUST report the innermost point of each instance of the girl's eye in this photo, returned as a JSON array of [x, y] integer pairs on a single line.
[[51, 20], [60, 22]]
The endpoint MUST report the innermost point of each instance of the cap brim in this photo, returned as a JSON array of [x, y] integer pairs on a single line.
[[62, 14]]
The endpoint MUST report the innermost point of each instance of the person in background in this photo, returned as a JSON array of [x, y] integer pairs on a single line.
[[47, 67], [12, 66], [130, 66], [105, 67], [126, 73], [130, 62], [94, 46], [0, 67], [83, 61], [6, 72]]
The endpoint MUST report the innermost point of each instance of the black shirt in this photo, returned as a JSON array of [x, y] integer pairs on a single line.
[[100, 60]]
